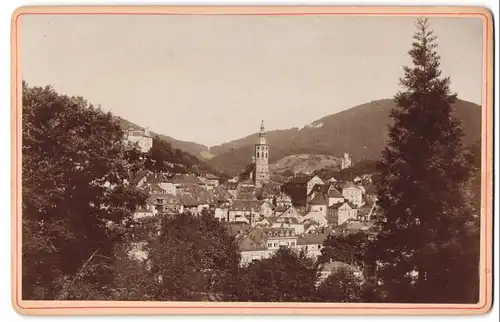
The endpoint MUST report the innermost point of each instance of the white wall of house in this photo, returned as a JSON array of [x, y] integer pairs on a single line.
[[334, 200], [319, 208], [354, 195], [311, 183], [274, 243]]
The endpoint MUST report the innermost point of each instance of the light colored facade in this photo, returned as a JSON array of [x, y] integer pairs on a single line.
[[341, 213], [168, 187], [316, 217], [353, 193], [221, 213], [140, 137], [334, 196], [312, 182], [346, 161], [262, 173], [266, 209]]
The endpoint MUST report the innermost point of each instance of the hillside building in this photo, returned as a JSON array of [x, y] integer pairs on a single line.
[[346, 161], [142, 138]]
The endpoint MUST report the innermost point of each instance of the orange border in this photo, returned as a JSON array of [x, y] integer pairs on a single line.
[[124, 307]]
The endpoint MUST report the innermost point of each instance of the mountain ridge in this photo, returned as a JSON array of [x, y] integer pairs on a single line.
[[360, 131]]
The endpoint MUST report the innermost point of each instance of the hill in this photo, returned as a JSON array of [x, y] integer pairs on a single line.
[[305, 163], [195, 149], [360, 131], [176, 152]]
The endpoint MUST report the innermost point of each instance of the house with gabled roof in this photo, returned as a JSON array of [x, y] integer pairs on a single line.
[[340, 213], [319, 204], [189, 203], [353, 193], [334, 196], [312, 243], [317, 218], [245, 210], [292, 212]]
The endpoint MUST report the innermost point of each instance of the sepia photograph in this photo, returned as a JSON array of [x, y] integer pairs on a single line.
[[245, 158]]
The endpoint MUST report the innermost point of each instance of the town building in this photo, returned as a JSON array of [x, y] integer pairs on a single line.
[[262, 173], [346, 161], [340, 213], [353, 193], [140, 138], [313, 182], [319, 204]]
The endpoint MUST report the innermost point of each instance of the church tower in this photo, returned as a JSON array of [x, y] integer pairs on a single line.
[[262, 174]]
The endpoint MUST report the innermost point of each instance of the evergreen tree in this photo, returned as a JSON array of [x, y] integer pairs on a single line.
[[423, 247]]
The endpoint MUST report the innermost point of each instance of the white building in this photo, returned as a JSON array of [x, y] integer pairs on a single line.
[[141, 138], [353, 193], [312, 182], [346, 161]]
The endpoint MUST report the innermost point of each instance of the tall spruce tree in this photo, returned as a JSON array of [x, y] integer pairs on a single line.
[[424, 243]]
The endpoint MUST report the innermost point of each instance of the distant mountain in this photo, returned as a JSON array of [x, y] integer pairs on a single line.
[[195, 149], [305, 163], [360, 131]]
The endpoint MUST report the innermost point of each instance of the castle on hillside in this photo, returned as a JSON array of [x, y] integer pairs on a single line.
[[346, 161], [140, 137]]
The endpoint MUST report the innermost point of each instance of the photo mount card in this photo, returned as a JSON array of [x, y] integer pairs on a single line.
[[312, 160]]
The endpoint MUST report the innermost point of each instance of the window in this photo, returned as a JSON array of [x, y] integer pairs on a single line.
[[266, 154], [275, 244], [269, 244], [258, 155], [319, 246], [292, 243]]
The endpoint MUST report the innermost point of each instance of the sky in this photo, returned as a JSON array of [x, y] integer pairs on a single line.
[[212, 79]]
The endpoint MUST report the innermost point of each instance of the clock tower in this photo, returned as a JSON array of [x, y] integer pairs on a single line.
[[262, 174]]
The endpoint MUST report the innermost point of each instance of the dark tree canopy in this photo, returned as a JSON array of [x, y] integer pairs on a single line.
[[287, 276], [423, 172], [346, 248], [343, 285], [74, 168], [193, 256]]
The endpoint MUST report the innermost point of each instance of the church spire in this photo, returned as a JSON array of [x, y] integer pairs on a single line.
[[262, 129]]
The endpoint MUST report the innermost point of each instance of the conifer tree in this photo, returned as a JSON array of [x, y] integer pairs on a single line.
[[423, 247]]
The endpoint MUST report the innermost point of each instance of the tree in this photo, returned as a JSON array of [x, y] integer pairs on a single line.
[[74, 196], [341, 286], [346, 248], [423, 173], [287, 276], [193, 257]]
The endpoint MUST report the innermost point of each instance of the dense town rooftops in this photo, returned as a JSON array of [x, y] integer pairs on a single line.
[[278, 232], [319, 200], [351, 185], [334, 193], [312, 239], [246, 205]]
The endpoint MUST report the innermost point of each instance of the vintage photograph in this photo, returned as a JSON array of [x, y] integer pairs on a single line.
[[273, 158]]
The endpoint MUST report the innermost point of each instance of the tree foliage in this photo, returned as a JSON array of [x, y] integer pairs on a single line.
[[287, 276], [347, 248], [423, 173], [343, 285], [192, 256], [74, 169]]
